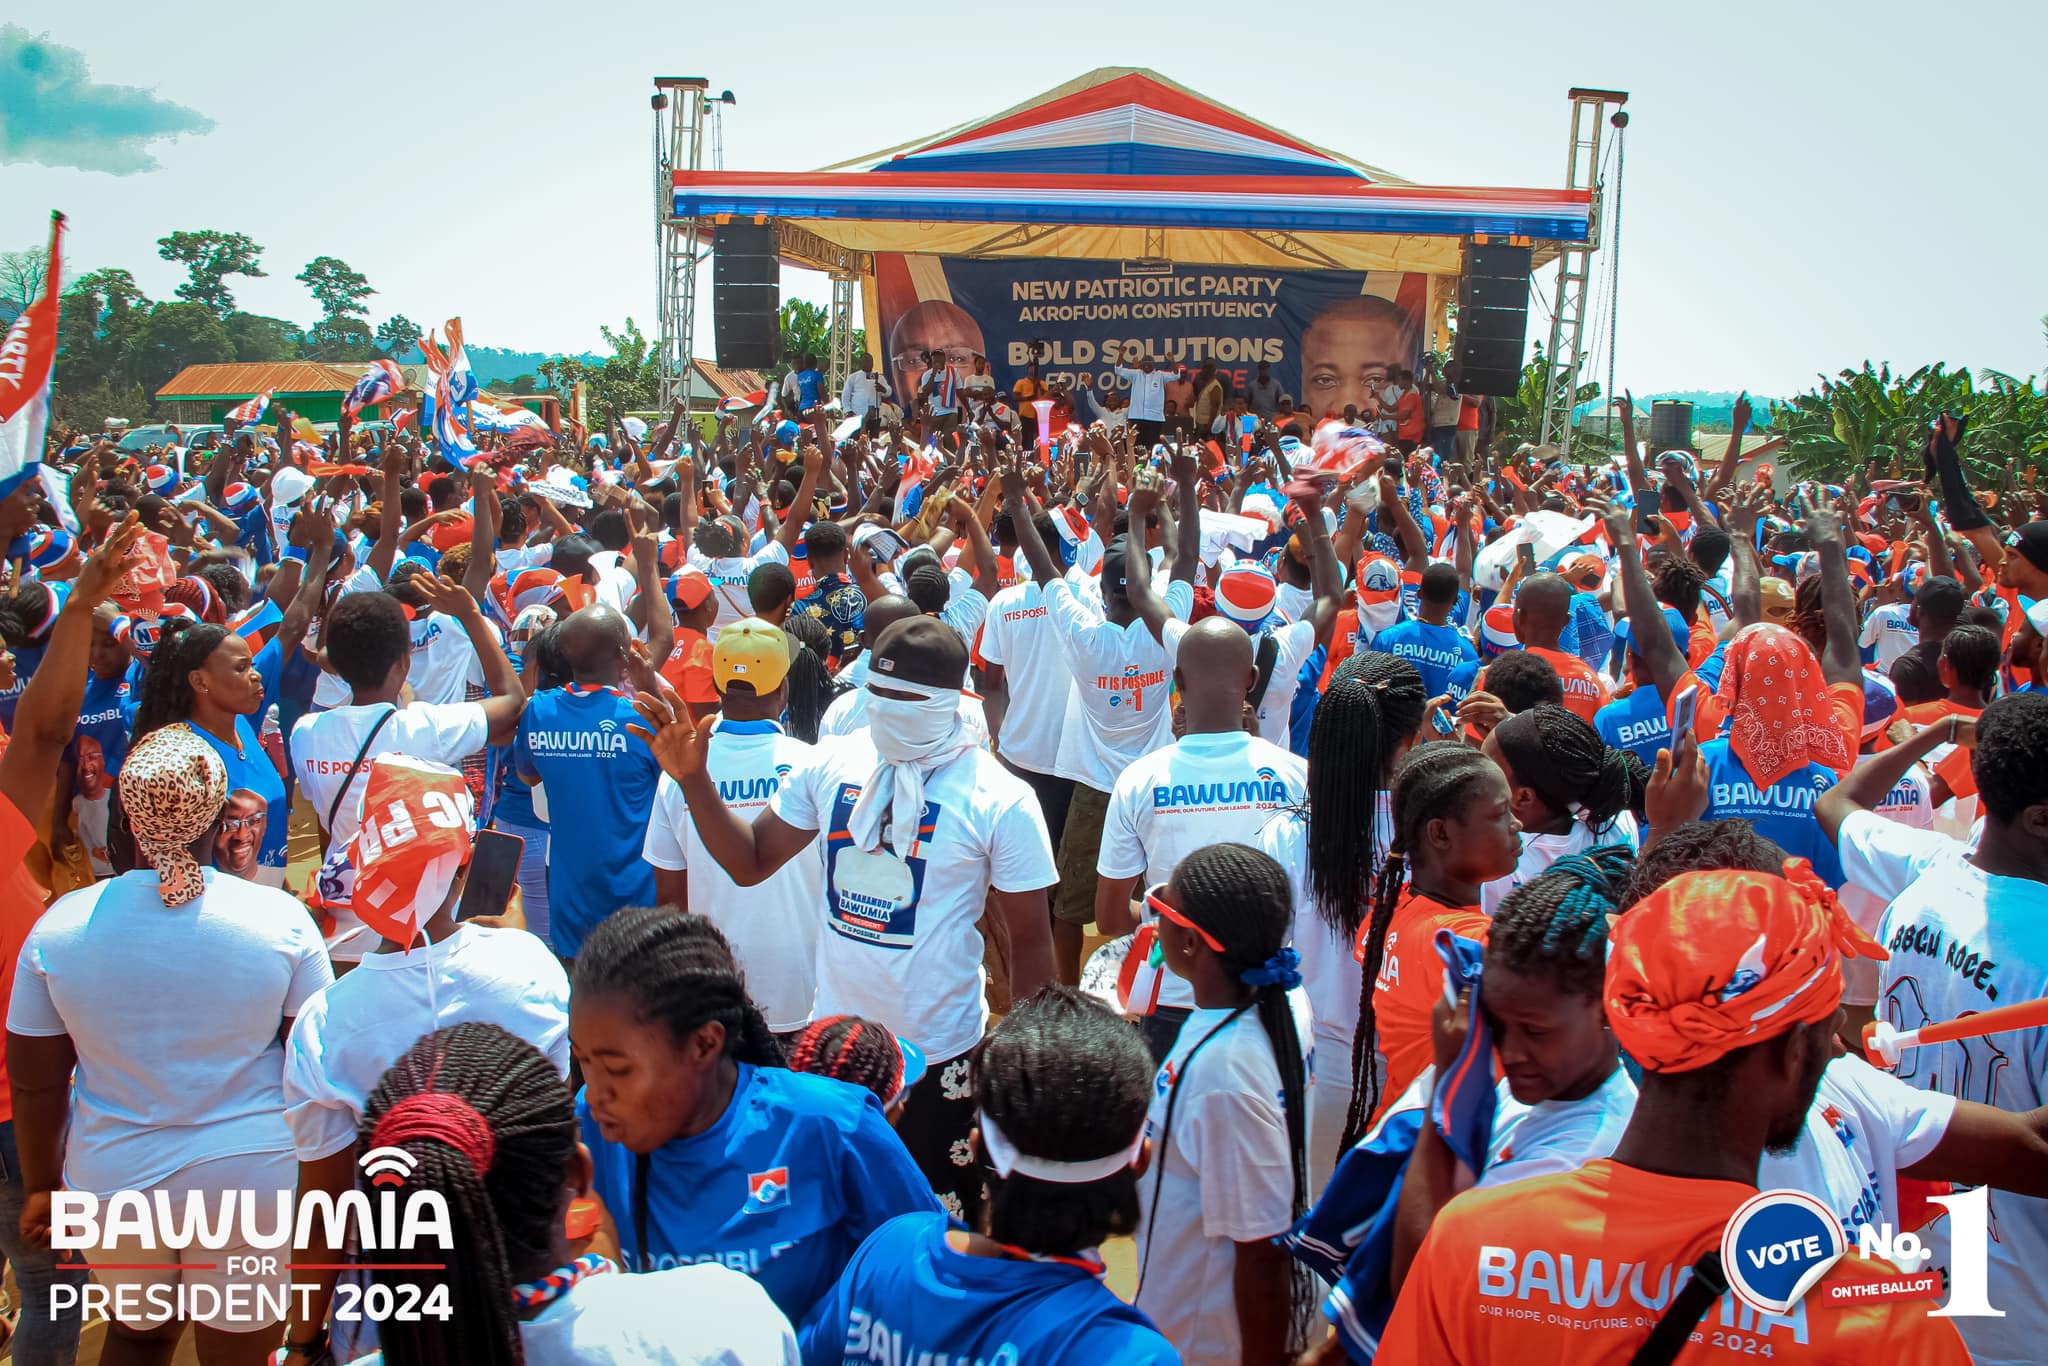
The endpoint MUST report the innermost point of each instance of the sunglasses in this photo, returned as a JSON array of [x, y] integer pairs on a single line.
[[1156, 903]]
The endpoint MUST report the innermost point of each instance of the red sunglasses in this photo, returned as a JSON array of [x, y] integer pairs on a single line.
[[1157, 905]]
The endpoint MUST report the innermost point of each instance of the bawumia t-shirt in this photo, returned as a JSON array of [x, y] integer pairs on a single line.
[[794, 1176], [600, 788], [1435, 651]]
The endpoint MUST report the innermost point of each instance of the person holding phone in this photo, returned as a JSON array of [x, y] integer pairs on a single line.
[[471, 971]]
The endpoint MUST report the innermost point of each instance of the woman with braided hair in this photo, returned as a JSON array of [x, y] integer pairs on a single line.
[[864, 1052], [1564, 1097], [1572, 791], [706, 1147], [1061, 1095], [492, 1131], [1331, 847], [1229, 1122], [1454, 831]]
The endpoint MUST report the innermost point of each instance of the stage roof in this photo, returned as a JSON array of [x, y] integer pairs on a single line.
[[1123, 164]]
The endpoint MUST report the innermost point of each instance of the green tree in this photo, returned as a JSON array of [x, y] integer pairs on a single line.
[[209, 257], [339, 290], [397, 335], [97, 323], [171, 338], [22, 274], [1875, 419], [87, 406], [259, 338], [621, 383], [1519, 417], [336, 340], [807, 330]]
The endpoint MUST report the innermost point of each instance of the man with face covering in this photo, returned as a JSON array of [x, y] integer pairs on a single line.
[[924, 829]]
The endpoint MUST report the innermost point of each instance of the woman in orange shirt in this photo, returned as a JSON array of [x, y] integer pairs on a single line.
[[1454, 830]]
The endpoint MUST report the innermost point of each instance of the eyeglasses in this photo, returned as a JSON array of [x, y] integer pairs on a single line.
[[235, 825], [1156, 903]]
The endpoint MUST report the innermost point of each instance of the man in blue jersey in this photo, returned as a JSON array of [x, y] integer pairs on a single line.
[[573, 741], [1427, 640], [1637, 721]]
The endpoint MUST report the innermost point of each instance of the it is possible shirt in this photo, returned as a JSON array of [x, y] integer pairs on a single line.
[[909, 1293], [794, 1176], [1575, 1268], [1018, 638], [574, 740]]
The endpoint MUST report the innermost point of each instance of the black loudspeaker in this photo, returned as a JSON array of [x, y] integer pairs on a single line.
[[1670, 425], [1493, 318], [746, 295]]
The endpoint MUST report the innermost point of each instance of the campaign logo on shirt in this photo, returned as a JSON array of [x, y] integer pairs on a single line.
[[1264, 790], [755, 791], [872, 896], [1130, 685], [602, 742], [767, 1190]]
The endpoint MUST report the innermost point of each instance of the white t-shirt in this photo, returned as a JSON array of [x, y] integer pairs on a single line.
[[1222, 1176], [729, 575], [324, 742], [1963, 941], [1203, 789], [1540, 851], [1329, 973], [175, 1012], [1293, 603], [1863, 1126], [647, 1320], [904, 944], [772, 927], [1555, 1136], [347, 1036], [848, 714], [1018, 637], [965, 607], [1119, 709], [330, 690], [1886, 628], [1293, 642], [444, 661]]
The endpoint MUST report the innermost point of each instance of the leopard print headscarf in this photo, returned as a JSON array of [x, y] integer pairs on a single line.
[[173, 787]]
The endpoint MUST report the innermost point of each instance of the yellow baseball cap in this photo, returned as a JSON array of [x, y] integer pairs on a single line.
[[752, 652]]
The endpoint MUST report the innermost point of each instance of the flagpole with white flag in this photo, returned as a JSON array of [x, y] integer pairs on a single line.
[[28, 356]]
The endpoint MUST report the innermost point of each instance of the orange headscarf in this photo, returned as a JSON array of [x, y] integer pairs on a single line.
[[1777, 703], [1715, 961]]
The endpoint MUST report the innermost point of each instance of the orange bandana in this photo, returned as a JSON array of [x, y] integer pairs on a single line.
[[1715, 961], [1777, 703]]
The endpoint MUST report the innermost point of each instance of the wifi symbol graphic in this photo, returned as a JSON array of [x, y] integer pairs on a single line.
[[607, 726], [387, 1166]]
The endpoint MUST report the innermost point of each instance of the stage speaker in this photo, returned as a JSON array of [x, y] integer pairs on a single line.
[[1493, 318], [746, 295], [1670, 426]]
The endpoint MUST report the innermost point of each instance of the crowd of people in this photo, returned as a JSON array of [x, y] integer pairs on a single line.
[[944, 841]]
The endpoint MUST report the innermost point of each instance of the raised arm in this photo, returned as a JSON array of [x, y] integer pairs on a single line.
[[1148, 605], [1652, 634], [1745, 577], [1872, 780], [1324, 576], [385, 553], [508, 694], [1840, 661], [793, 525], [749, 852], [1732, 457]]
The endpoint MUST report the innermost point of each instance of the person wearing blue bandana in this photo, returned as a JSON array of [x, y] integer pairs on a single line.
[[1061, 1102], [704, 1146]]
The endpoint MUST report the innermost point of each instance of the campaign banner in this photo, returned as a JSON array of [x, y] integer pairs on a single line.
[[1330, 336]]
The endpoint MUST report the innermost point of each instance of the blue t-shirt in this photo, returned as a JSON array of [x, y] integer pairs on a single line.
[[807, 382], [26, 659], [574, 740], [1782, 812], [1637, 723], [250, 840], [907, 1296], [793, 1177], [1462, 678], [1435, 651], [105, 718], [1301, 716]]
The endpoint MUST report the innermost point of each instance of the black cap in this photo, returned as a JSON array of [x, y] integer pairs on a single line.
[[919, 650], [1114, 575], [2031, 541]]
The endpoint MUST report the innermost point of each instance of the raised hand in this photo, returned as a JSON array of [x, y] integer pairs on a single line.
[[443, 594], [103, 569], [678, 744]]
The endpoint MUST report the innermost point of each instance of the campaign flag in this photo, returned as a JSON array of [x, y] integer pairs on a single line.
[[252, 411], [57, 489], [918, 466], [379, 382], [736, 404], [258, 624], [449, 392], [403, 418], [27, 357]]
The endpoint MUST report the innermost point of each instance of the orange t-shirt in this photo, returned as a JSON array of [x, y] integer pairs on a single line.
[[21, 905], [1702, 643], [1410, 981], [1954, 766], [1584, 692], [688, 668], [1408, 414], [1577, 1268]]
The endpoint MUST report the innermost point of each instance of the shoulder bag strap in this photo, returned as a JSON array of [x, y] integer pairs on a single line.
[[348, 779]]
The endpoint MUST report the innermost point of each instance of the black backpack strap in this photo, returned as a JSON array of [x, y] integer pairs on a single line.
[[1268, 656], [1707, 1284], [348, 778]]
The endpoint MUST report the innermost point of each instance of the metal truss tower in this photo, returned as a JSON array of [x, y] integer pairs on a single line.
[[1575, 267]]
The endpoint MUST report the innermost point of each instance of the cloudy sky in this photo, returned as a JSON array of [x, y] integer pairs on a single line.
[[1807, 184]]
